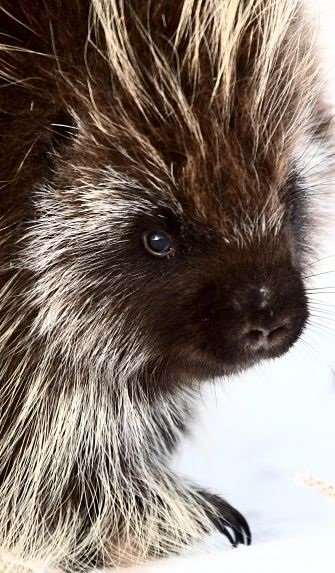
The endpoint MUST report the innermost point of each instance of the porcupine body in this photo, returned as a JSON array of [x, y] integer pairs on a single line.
[[154, 212]]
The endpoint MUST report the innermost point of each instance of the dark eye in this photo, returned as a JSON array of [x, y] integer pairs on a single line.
[[158, 243]]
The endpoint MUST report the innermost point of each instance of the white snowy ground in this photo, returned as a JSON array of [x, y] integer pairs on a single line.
[[255, 434]]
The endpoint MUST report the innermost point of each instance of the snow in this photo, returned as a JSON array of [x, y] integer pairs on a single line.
[[254, 435]]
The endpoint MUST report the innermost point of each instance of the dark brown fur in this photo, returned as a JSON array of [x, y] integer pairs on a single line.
[[222, 178]]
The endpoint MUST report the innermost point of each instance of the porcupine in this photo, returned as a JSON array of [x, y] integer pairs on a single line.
[[155, 219]]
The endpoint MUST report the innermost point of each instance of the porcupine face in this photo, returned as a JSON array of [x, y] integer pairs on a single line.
[[185, 287], [166, 240]]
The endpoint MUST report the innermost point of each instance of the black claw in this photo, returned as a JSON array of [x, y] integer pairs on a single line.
[[227, 533], [229, 521], [239, 526], [246, 530]]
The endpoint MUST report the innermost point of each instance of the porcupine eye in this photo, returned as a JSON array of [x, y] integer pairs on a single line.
[[158, 243]]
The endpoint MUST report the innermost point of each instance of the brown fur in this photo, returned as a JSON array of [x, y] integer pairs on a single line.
[[119, 118]]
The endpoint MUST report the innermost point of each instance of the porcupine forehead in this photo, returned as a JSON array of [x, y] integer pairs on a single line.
[[217, 89], [207, 97]]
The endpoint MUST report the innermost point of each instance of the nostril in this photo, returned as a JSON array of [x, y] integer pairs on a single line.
[[277, 333], [256, 335], [260, 337]]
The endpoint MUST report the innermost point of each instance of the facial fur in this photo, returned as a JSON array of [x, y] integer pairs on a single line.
[[120, 119]]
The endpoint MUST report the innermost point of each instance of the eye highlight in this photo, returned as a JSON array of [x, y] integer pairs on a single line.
[[158, 243]]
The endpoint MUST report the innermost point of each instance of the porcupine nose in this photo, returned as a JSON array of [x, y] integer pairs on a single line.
[[258, 336], [265, 327], [253, 319]]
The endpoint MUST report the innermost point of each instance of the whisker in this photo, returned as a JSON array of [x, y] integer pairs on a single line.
[[314, 323], [316, 261], [321, 290], [318, 274], [327, 317], [322, 306], [319, 358]]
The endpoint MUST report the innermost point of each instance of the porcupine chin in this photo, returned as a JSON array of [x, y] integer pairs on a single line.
[[154, 212]]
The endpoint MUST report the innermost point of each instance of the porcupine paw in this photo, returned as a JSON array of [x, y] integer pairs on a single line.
[[227, 520]]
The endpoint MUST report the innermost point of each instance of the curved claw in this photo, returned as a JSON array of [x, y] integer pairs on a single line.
[[240, 529], [225, 531], [229, 521]]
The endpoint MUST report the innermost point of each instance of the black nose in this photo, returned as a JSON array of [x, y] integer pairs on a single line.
[[257, 336]]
